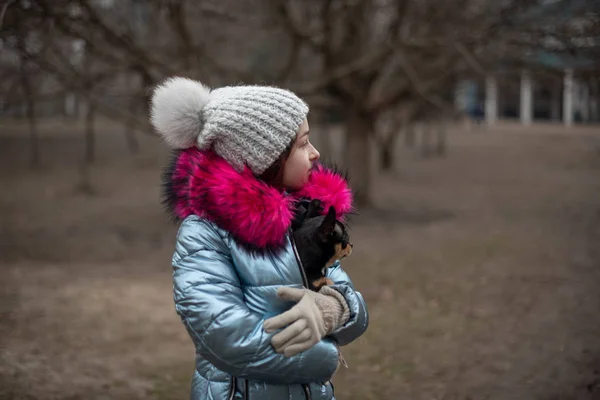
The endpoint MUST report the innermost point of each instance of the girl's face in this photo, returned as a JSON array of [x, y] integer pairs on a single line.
[[298, 165]]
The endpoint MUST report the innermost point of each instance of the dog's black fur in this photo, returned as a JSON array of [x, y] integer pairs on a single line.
[[320, 240]]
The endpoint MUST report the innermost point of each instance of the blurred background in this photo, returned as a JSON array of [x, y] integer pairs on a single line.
[[471, 133]]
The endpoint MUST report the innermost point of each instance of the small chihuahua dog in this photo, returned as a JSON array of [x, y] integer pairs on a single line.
[[321, 240]]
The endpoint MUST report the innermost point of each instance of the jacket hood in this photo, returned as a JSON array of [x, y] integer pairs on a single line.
[[199, 182]]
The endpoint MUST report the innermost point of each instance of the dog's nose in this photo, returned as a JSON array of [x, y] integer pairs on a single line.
[[351, 245]]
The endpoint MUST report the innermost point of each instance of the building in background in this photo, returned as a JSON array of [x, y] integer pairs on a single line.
[[556, 84]]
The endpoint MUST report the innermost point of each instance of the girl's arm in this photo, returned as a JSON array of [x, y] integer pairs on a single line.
[[209, 299], [359, 315]]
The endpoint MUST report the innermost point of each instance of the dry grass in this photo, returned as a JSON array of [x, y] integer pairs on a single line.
[[480, 271]]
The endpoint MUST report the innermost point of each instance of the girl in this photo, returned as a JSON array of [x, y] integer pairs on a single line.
[[244, 161]]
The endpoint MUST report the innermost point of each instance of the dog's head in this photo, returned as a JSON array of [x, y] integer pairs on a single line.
[[323, 234]]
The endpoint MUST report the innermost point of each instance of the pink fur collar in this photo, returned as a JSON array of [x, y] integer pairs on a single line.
[[202, 183]]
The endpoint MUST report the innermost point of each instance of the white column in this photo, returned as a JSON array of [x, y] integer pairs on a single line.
[[568, 98], [460, 96], [584, 101], [526, 98], [70, 105], [491, 100]]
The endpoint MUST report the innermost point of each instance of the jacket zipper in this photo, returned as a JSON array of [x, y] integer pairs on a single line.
[[232, 388], [307, 392], [305, 284], [304, 278]]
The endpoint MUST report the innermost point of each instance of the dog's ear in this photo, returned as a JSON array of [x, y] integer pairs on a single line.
[[306, 209], [328, 224], [314, 209], [299, 217]]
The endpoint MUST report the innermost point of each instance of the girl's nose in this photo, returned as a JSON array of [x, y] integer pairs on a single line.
[[315, 155]]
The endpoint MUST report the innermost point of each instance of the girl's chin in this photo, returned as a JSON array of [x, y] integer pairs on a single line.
[[307, 177], [299, 184]]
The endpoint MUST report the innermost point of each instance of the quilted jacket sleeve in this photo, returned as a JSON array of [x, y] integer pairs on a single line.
[[209, 299], [359, 315]]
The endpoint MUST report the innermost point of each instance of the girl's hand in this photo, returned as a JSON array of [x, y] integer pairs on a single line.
[[315, 315]]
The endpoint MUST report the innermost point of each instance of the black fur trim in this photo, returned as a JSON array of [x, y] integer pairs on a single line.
[[168, 194]]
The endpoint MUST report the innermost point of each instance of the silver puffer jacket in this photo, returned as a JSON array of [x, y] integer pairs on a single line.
[[233, 250]]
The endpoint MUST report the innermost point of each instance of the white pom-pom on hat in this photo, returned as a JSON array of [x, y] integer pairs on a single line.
[[175, 110]]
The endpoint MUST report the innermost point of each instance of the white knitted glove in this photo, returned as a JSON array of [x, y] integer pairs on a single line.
[[316, 315]]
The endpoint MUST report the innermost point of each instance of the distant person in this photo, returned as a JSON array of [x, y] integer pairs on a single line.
[[243, 164], [478, 114]]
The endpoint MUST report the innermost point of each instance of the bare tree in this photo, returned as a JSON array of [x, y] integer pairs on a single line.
[[28, 86], [375, 56], [368, 60]]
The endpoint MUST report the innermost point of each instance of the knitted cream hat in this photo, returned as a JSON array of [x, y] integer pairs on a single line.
[[250, 125]]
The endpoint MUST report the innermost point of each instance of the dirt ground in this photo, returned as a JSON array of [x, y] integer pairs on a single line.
[[480, 269]]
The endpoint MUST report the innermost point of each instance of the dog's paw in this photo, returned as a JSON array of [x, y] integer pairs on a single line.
[[323, 281]]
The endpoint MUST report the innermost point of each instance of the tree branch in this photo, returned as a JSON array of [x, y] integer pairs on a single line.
[[284, 10], [292, 60], [125, 43], [471, 61], [327, 22], [364, 62], [3, 11], [176, 13], [420, 88]]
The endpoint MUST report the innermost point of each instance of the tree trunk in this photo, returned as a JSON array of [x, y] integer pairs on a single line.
[[325, 144], [30, 114], [85, 184], [90, 137], [388, 152], [386, 158], [33, 135], [358, 156], [440, 148], [426, 140], [409, 135], [323, 138], [132, 142], [70, 106]]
